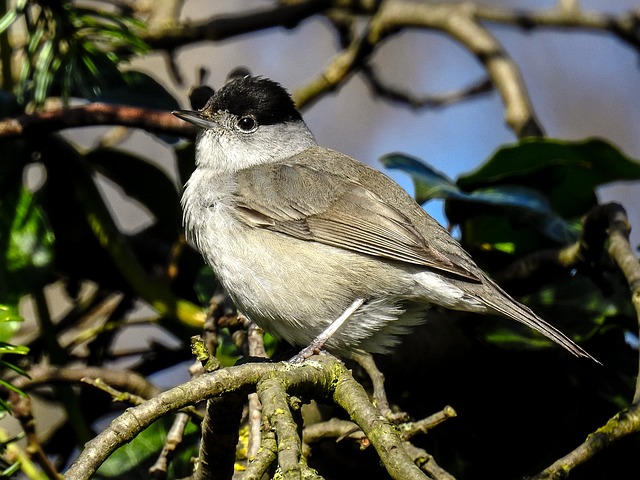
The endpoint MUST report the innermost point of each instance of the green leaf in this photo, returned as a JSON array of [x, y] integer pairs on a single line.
[[428, 182], [7, 19], [14, 349], [566, 172], [142, 181], [10, 470], [9, 386], [563, 174], [205, 285], [527, 206], [8, 313], [26, 245], [132, 461], [44, 73]]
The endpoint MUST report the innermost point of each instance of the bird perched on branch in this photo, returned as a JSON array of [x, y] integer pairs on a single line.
[[312, 244]]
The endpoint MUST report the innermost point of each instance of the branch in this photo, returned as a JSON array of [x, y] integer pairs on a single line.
[[623, 424], [624, 26], [226, 26], [334, 428], [258, 466], [220, 436], [221, 422], [408, 430], [350, 395], [255, 340], [457, 21], [337, 72], [22, 411], [273, 395], [128, 425], [124, 380], [93, 114], [174, 439], [324, 375], [620, 250], [480, 87]]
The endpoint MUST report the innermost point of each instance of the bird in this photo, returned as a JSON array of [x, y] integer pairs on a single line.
[[310, 243]]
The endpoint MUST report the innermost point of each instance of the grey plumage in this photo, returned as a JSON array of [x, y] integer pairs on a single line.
[[296, 232]]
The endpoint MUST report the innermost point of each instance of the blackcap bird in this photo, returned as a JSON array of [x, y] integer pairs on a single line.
[[301, 235]]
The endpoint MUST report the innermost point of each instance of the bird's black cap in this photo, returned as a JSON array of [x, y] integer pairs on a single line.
[[267, 101]]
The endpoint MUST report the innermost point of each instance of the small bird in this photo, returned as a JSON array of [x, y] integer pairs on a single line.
[[300, 235]]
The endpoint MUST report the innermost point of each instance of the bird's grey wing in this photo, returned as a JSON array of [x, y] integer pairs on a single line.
[[315, 205]]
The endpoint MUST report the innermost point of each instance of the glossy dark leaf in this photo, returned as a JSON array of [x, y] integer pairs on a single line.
[[528, 206], [428, 182], [566, 172]]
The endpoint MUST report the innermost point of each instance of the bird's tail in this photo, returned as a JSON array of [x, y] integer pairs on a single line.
[[523, 314]]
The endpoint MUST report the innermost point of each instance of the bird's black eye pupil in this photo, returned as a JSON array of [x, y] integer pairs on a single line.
[[246, 124]]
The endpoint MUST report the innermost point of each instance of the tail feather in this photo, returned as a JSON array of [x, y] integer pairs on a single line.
[[523, 314]]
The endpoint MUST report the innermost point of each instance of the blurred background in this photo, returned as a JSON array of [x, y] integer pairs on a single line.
[[582, 84]]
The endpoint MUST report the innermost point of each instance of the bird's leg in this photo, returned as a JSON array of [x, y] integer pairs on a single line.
[[318, 343]]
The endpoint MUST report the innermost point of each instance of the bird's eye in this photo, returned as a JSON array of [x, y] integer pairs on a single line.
[[247, 124]]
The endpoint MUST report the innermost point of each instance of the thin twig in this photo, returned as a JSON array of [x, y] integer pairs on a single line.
[[427, 463], [623, 424], [174, 438], [366, 361], [116, 395], [123, 380], [21, 409], [411, 429], [389, 92], [255, 339]]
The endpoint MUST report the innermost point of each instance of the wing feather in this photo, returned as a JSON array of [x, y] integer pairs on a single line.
[[344, 214]]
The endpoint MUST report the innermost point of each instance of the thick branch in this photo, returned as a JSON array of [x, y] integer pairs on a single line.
[[127, 426], [94, 114], [273, 396], [458, 21], [222, 27], [220, 436], [620, 250], [350, 395], [623, 26]]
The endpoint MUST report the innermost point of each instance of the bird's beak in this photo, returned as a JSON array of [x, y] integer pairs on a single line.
[[194, 117]]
